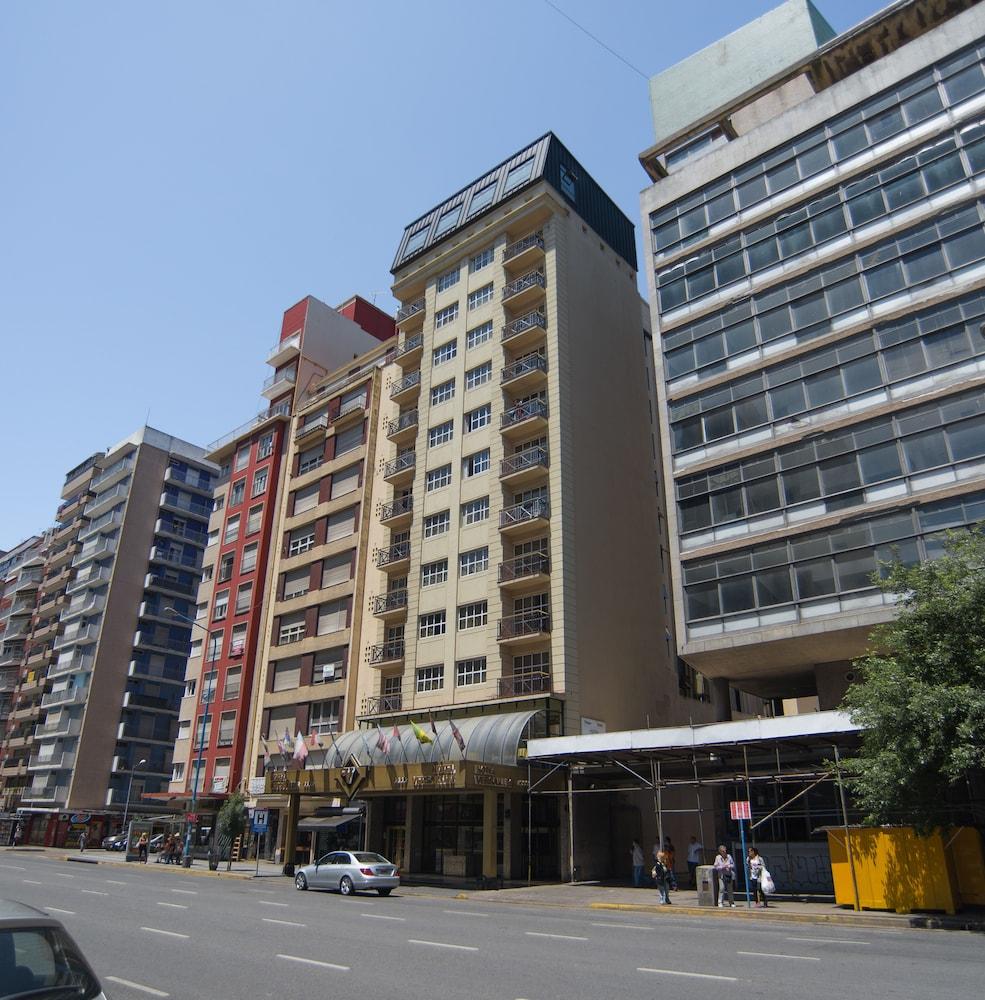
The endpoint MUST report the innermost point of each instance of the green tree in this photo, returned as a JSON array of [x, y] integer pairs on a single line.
[[231, 821], [921, 690]]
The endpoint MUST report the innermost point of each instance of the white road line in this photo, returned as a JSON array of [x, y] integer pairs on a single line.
[[560, 937], [267, 902], [615, 925], [691, 975], [828, 941], [379, 916], [156, 930], [63, 875], [54, 909], [465, 913], [28, 881], [113, 881], [186, 892], [285, 923], [441, 944], [174, 906], [137, 986], [770, 954], [15, 868], [311, 961], [94, 892]]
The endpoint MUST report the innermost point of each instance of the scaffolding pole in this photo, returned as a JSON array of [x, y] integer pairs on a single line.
[[848, 836]]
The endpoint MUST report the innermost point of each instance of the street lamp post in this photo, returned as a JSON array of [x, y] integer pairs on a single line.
[[126, 808]]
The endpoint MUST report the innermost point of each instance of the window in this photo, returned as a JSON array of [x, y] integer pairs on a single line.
[[297, 583], [218, 503], [354, 399], [232, 529], [448, 279], [201, 611], [531, 665], [249, 558], [437, 478], [244, 598], [437, 524], [435, 572], [430, 678], [445, 316], [470, 671], [446, 390], [480, 260], [213, 537], [481, 296], [237, 493], [206, 574], [227, 729], [478, 335], [329, 665], [310, 459], [431, 625], [305, 499], [325, 716], [242, 458], [287, 676], [479, 417], [215, 644], [448, 220], [254, 519], [441, 434], [346, 480], [266, 446], [336, 569], [292, 628], [482, 198], [260, 482], [237, 640], [341, 524], [473, 465], [226, 566], [473, 615], [475, 511], [349, 439], [477, 376], [301, 540], [221, 606], [444, 352], [333, 617], [520, 173], [178, 769], [474, 561]]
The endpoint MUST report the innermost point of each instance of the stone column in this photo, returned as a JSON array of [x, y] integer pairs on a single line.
[[489, 802], [291, 832]]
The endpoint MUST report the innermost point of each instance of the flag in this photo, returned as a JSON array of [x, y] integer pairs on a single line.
[[335, 746], [382, 743], [286, 744], [422, 737], [300, 748], [319, 742], [266, 749], [434, 728], [458, 736]]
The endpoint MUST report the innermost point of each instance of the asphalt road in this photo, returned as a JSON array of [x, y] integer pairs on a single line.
[[159, 932]]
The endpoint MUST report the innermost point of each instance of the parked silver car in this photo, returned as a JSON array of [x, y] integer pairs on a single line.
[[349, 871]]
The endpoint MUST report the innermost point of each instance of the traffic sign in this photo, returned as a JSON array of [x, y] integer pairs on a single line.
[[191, 817], [260, 818], [741, 809]]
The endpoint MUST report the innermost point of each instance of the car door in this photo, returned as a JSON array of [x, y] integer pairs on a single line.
[[335, 869], [319, 873]]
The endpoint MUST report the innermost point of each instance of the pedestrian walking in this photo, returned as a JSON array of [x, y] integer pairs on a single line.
[[725, 876], [142, 848], [18, 835], [670, 859], [83, 840], [637, 853], [695, 855], [661, 875], [757, 868]]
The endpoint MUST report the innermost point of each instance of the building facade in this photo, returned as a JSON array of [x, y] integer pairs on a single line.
[[816, 262]]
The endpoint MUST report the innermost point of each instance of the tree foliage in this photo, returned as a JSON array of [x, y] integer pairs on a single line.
[[921, 690], [231, 821]]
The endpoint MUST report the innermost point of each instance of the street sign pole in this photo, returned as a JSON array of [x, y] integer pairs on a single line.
[[741, 810], [745, 865]]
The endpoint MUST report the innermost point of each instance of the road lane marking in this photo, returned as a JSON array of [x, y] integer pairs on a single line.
[[560, 937], [16, 868], [465, 913], [829, 941], [285, 923], [28, 881], [94, 892], [186, 892], [267, 902], [311, 961], [691, 975], [113, 881], [63, 875], [54, 909], [174, 906], [770, 954], [442, 944], [379, 916], [157, 930], [136, 986], [623, 927]]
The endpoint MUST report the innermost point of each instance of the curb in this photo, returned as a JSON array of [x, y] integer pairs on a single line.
[[137, 866]]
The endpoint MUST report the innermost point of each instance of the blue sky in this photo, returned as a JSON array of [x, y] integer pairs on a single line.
[[174, 175]]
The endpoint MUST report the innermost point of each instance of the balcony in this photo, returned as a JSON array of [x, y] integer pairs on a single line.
[[512, 687], [284, 350], [54, 762], [46, 793], [41, 654], [186, 504], [65, 532], [96, 549], [385, 653], [401, 469], [90, 604], [172, 557], [186, 532], [104, 523], [524, 571], [62, 555], [382, 704], [56, 580], [106, 501], [66, 696], [394, 558], [524, 252], [398, 512], [29, 579], [65, 725], [393, 604], [92, 576], [410, 350], [403, 428], [278, 384], [522, 292], [80, 663], [525, 374], [524, 518], [148, 638], [527, 626], [22, 606], [27, 712], [282, 410], [11, 657], [15, 628], [190, 479], [525, 331], [410, 315], [11, 768], [523, 466], [72, 506], [312, 430], [79, 636], [406, 388], [112, 475]]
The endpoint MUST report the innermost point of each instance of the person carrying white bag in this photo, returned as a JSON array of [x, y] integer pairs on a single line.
[[759, 877]]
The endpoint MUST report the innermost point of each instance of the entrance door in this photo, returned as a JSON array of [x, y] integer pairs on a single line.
[[396, 838]]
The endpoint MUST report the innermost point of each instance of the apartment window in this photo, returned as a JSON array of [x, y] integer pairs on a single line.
[[226, 566], [482, 199], [477, 418], [392, 685], [431, 625], [301, 540], [237, 493], [218, 503], [325, 716], [532, 663], [480, 260], [478, 335], [233, 684], [254, 519], [221, 606], [336, 569], [196, 650], [178, 771], [445, 316], [296, 583], [287, 676], [346, 481], [329, 665], [448, 279], [445, 391], [244, 598], [518, 175], [310, 459], [349, 439], [441, 434], [479, 375], [437, 478], [213, 537], [341, 524], [437, 524], [443, 353], [291, 628], [242, 458], [435, 572], [473, 561], [430, 678], [471, 671], [481, 296], [192, 682], [249, 560], [333, 617], [354, 399], [260, 482], [232, 529], [227, 729], [215, 645], [237, 640], [266, 446], [201, 611], [475, 511], [473, 465], [473, 615]]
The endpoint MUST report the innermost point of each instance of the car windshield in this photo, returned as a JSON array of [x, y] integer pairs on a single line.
[[371, 859], [40, 961]]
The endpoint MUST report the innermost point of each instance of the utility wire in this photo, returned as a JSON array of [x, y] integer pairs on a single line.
[[597, 40]]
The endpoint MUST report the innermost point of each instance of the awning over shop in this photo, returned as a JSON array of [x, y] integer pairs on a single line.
[[323, 823]]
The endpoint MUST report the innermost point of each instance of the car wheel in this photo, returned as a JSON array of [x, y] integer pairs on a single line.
[[345, 886], [300, 882], [384, 892]]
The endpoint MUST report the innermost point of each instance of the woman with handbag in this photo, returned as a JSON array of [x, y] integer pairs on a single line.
[[725, 874], [661, 875], [757, 875]]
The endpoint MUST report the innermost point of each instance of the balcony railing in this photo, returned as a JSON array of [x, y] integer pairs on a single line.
[[393, 554], [189, 477], [402, 423], [519, 412], [378, 704], [524, 366], [510, 687], [525, 281], [124, 465], [517, 248], [531, 564], [410, 344], [104, 498], [385, 652], [282, 409], [530, 321], [394, 600], [353, 406], [400, 464], [405, 383], [530, 510], [523, 460], [290, 377], [395, 508], [180, 502], [534, 622], [411, 309], [88, 633], [320, 423]]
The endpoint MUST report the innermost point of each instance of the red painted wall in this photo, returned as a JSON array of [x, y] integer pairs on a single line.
[[374, 321], [294, 319]]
